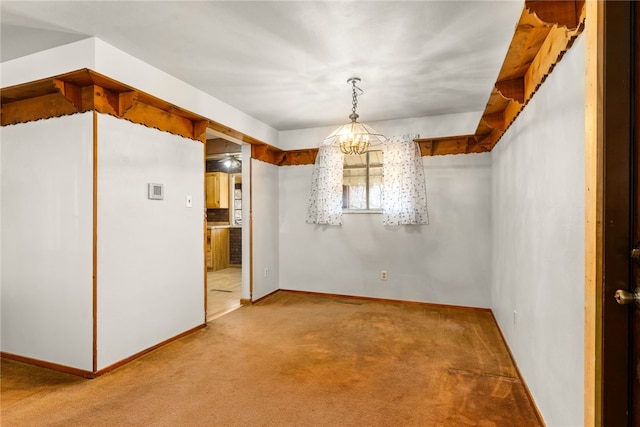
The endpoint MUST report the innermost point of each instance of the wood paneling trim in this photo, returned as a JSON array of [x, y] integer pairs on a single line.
[[594, 213]]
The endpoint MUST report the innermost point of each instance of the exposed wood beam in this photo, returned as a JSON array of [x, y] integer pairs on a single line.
[[267, 154], [159, 119], [31, 109], [71, 92], [85, 90], [450, 145], [512, 89], [545, 31], [495, 120], [299, 157], [563, 13], [200, 130], [126, 100]]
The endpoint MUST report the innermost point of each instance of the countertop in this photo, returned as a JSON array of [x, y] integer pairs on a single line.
[[213, 225]]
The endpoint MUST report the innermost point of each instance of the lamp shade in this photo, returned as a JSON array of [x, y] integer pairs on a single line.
[[354, 138]]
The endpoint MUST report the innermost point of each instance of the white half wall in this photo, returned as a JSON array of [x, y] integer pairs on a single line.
[[150, 252], [537, 288], [445, 262], [47, 235], [265, 212]]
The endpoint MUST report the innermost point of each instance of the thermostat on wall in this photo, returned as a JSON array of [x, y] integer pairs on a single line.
[[156, 191]]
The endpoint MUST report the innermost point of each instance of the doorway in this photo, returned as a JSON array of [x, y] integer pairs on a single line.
[[223, 192]]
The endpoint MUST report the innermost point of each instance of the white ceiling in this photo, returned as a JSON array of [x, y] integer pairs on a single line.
[[286, 63]]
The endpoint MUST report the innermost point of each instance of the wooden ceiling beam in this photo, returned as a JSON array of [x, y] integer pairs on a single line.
[[495, 120], [200, 130], [31, 109], [126, 100], [545, 31], [299, 157], [563, 13], [512, 89]]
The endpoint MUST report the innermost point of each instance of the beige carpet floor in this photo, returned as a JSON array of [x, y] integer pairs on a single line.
[[295, 360]]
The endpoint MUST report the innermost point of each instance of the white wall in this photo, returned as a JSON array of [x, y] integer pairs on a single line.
[[47, 224], [538, 241], [447, 261], [265, 212], [150, 252]]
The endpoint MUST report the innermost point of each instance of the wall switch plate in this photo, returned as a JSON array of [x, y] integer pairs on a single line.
[[383, 275], [189, 201], [266, 272]]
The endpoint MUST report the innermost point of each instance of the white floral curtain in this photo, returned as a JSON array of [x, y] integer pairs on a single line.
[[325, 202], [404, 195]]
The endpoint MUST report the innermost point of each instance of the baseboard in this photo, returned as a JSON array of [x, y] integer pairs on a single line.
[[264, 297], [429, 304], [48, 365], [90, 374], [524, 383], [148, 350]]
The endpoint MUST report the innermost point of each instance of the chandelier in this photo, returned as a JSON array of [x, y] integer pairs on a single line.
[[231, 162], [354, 137]]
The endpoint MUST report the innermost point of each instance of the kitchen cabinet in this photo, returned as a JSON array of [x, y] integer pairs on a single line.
[[209, 258], [217, 248], [217, 190]]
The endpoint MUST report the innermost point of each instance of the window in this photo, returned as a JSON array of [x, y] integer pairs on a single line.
[[362, 182]]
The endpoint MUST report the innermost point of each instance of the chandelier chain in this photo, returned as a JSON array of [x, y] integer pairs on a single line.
[[354, 102]]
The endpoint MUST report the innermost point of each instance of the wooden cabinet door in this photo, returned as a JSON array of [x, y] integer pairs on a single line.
[[217, 190], [209, 253], [209, 181], [222, 185], [220, 248]]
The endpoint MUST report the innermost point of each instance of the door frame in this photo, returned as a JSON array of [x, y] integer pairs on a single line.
[[608, 174]]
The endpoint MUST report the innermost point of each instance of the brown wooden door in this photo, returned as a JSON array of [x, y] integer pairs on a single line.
[[621, 220]]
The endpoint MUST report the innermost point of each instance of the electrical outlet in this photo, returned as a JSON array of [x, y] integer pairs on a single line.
[[383, 275], [515, 318], [266, 272]]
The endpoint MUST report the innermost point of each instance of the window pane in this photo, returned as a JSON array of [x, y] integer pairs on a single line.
[[355, 182], [375, 187], [354, 195]]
